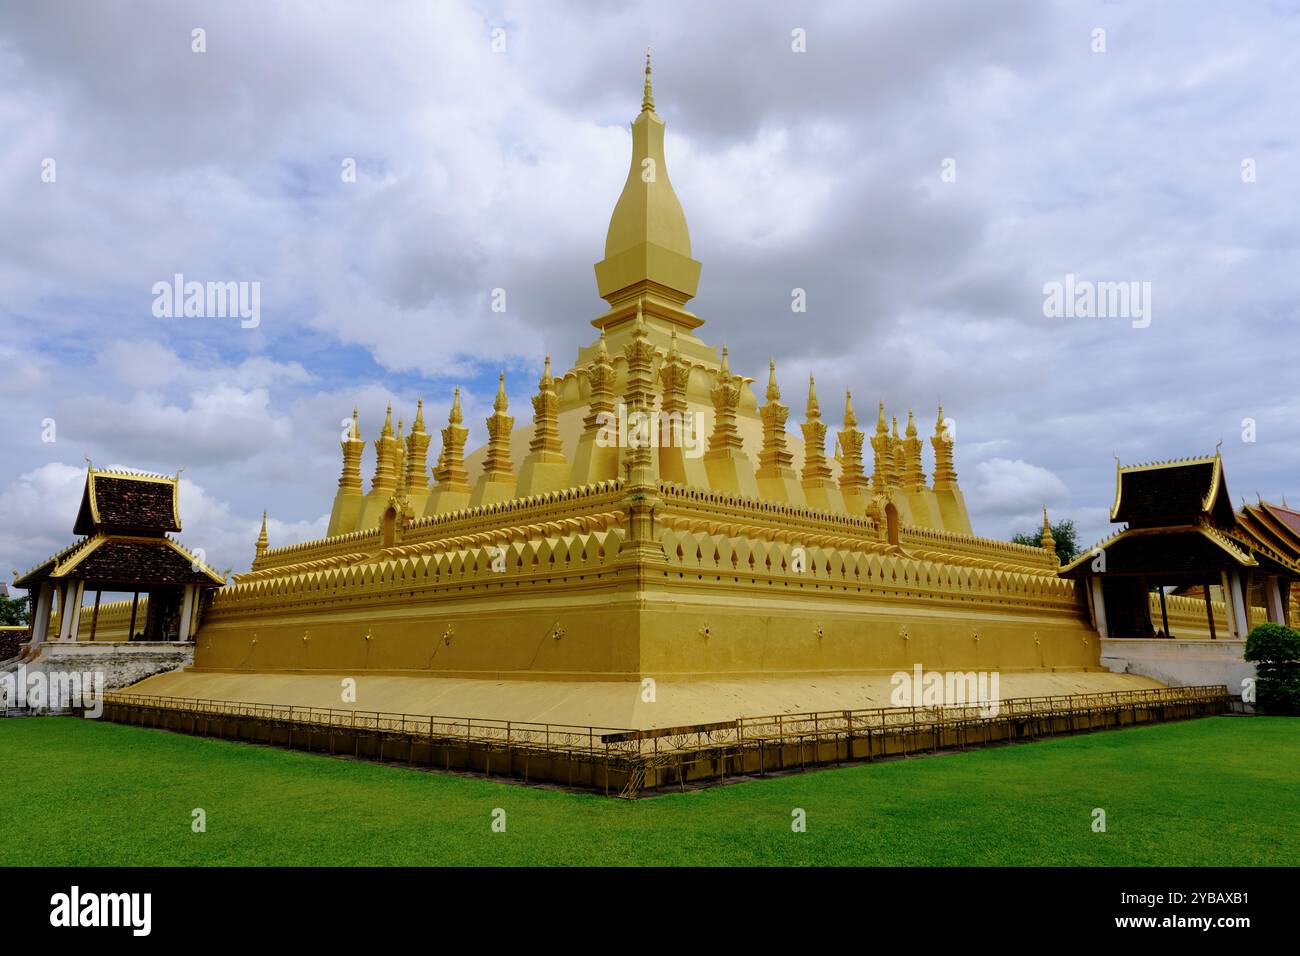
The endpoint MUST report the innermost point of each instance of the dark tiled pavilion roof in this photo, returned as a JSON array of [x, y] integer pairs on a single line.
[[125, 517], [128, 501]]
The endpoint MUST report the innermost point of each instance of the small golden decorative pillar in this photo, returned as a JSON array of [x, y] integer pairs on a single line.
[[596, 458], [819, 487], [384, 482], [416, 470], [776, 476], [680, 438], [728, 467], [853, 483], [497, 483], [544, 468], [952, 503], [349, 498], [452, 489], [923, 505]]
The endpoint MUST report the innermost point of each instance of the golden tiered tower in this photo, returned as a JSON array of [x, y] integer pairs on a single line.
[[628, 547]]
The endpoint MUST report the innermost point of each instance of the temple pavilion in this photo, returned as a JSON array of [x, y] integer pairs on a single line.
[[125, 520], [1181, 538]]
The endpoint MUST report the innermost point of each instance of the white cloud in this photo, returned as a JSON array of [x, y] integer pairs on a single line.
[[479, 170], [227, 538], [1013, 487], [37, 511]]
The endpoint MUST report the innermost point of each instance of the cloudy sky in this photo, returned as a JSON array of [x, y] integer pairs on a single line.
[[922, 170]]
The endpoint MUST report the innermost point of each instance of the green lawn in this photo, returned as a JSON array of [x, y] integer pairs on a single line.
[[1220, 791]]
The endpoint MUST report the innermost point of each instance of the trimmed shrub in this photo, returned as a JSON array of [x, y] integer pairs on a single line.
[[1275, 651]]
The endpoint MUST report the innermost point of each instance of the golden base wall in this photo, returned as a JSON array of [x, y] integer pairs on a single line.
[[548, 587]]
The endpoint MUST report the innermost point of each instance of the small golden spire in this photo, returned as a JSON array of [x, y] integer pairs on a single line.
[[939, 428], [882, 427], [1047, 541], [501, 403], [648, 100], [455, 417], [813, 410], [850, 419], [894, 434], [261, 538], [911, 425], [388, 423], [601, 351], [773, 391], [418, 424], [725, 369], [546, 370], [672, 347], [356, 427]]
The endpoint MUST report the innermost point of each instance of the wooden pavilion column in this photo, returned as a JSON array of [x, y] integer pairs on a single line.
[[1209, 610], [135, 606], [41, 612], [78, 593], [1235, 604], [94, 618], [1098, 605], [187, 613], [65, 609], [1273, 600]]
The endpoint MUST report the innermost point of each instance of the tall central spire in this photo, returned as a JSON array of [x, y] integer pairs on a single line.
[[648, 246]]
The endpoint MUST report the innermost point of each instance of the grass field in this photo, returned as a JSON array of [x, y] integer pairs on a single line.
[[1219, 791]]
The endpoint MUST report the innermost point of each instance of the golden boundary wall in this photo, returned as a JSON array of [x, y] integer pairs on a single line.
[[554, 587]]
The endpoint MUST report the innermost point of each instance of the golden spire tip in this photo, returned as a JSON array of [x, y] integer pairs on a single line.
[[648, 99]]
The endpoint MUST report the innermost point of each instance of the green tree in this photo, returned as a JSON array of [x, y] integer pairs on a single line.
[[1067, 539], [13, 610], [1274, 649]]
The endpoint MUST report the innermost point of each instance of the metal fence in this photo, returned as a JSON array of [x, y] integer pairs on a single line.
[[630, 759], [894, 719], [472, 730]]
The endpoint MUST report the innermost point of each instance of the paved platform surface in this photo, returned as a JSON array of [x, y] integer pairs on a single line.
[[594, 703]]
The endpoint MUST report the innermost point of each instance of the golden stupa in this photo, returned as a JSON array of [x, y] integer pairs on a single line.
[[652, 549]]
